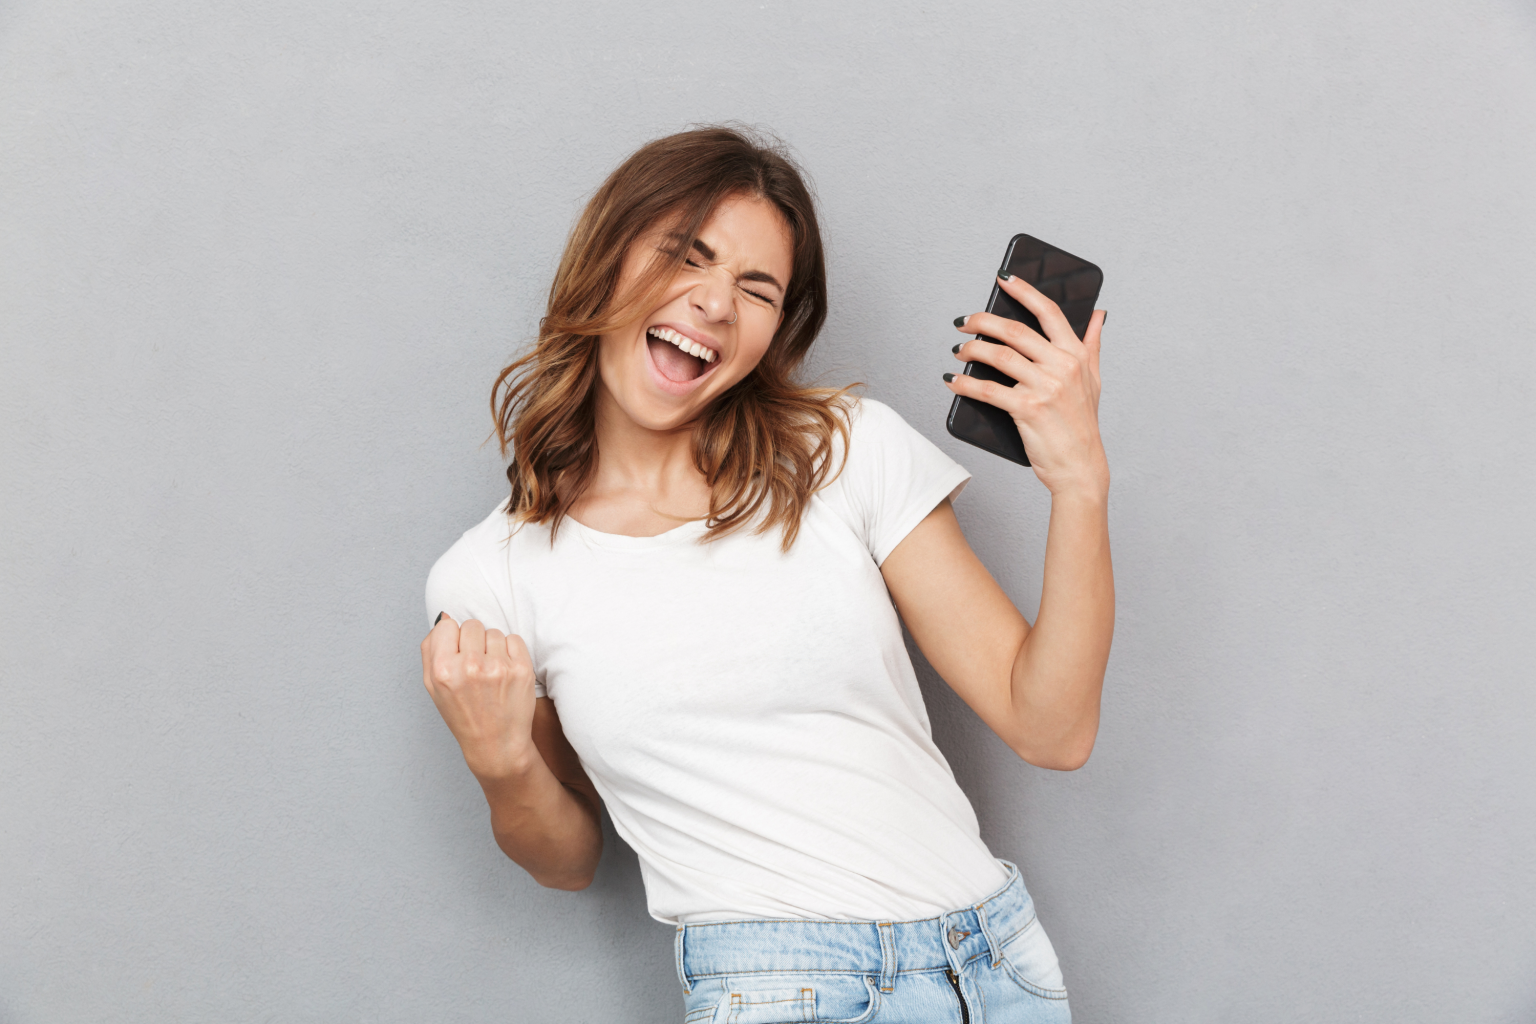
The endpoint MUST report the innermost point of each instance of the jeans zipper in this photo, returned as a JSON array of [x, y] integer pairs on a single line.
[[965, 1011]]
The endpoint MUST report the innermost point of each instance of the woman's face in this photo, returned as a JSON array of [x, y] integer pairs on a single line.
[[664, 370]]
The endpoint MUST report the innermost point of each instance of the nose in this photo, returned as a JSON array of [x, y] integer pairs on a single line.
[[714, 297]]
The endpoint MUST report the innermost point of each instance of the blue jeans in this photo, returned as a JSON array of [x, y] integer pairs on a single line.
[[990, 963]]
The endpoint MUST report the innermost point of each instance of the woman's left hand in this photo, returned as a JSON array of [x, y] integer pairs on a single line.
[[1055, 404]]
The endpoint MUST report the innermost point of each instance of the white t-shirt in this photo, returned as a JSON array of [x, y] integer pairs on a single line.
[[750, 717]]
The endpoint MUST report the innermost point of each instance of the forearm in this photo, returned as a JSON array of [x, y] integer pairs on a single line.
[[550, 829], [1058, 673]]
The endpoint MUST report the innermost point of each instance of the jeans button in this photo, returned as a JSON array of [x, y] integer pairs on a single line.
[[956, 936]]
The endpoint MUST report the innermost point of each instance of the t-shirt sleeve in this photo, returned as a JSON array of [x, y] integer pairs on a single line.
[[892, 478], [473, 580]]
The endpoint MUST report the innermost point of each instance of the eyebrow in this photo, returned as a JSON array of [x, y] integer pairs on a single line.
[[750, 275]]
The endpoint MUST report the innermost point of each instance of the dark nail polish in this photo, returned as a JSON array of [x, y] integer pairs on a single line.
[[1003, 275], [960, 320], [1104, 319], [956, 349], [439, 618], [948, 377]]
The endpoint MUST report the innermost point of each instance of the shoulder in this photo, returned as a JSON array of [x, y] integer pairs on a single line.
[[872, 421], [473, 578], [878, 434], [871, 425], [889, 477], [480, 542]]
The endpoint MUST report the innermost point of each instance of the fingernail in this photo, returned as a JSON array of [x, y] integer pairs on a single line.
[[948, 377], [439, 618], [960, 320], [1003, 275], [1104, 319], [956, 349]]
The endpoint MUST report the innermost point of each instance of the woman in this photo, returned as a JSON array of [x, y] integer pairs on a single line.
[[697, 565]]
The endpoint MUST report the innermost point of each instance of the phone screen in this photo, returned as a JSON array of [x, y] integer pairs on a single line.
[[1073, 284]]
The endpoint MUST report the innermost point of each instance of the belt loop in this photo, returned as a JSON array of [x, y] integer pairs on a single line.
[[986, 929], [682, 975], [887, 955]]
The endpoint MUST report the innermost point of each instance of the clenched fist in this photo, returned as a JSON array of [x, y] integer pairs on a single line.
[[482, 683]]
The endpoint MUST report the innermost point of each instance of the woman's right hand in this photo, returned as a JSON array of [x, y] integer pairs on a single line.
[[482, 683]]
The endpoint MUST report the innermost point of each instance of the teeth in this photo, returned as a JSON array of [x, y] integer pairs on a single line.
[[693, 348]]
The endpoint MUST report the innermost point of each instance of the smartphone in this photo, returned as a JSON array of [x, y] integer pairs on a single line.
[[1073, 283]]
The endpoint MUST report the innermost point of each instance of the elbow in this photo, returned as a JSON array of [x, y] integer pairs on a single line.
[[565, 877], [1062, 762], [1066, 756], [566, 883], [571, 875]]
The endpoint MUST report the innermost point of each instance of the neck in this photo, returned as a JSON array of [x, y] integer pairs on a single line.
[[640, 470]]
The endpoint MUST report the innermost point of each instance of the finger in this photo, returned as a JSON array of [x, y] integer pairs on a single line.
[[435, 645], [517, 650], [1052, 320], [522, 664], [1092, 339], [495, 642], [987, 391], [426, 666], [443, 637], [1003, 358], [472, 637], [1011, 333], [1000, 328]]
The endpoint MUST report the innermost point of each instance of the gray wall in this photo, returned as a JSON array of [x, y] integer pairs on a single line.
[[258, 265]]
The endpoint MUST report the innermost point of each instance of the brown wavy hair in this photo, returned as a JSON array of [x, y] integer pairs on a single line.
[[765, 445]]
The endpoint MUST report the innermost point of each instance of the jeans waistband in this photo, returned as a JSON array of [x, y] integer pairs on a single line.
[[883, 948]]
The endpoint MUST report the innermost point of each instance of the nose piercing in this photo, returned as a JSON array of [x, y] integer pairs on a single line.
[[733, 317]]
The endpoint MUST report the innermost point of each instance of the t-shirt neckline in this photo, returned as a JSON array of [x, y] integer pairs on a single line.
[[689, 531]]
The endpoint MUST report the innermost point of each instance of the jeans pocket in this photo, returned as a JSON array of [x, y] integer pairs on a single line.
[[1031, 961], [794, 999]]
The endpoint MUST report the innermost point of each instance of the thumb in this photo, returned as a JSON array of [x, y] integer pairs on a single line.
[[1094, 336]]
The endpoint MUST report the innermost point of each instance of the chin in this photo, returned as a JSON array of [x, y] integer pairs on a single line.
[[647, 412]]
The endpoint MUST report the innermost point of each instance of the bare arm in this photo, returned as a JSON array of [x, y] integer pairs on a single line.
[[1037, 687], [544, 809]]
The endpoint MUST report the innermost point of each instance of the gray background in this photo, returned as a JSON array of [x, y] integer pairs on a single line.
[[259, 263]]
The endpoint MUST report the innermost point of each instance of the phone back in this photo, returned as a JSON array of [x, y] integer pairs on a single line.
[[1073, 284]]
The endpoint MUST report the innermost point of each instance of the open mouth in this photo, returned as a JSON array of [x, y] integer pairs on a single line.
[[677, 358]]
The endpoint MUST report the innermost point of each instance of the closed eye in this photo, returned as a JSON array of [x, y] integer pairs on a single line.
[[708, 255], [756, 295]]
